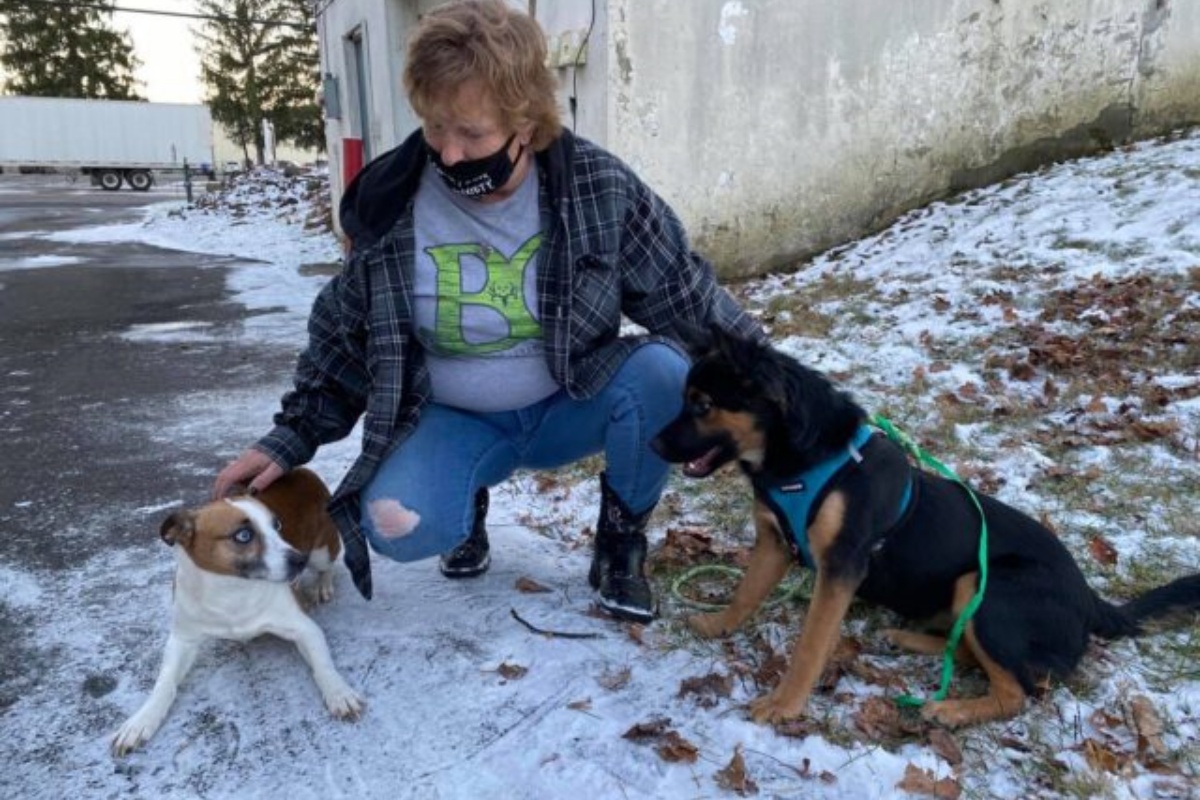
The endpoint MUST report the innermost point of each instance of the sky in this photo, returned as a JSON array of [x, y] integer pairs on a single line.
[[465, 702], [170, 70]]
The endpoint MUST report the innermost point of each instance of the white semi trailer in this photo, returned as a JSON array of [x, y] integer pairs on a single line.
[[114, 141]]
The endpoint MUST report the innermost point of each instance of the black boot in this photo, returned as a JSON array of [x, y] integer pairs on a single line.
[[473, 556], [618, 561]]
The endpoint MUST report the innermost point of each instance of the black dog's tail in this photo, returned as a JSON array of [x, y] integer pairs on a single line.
[[1178, 596]]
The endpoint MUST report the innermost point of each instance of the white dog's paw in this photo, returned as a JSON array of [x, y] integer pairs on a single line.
[[325, 587], [344, 703], [133, 734]]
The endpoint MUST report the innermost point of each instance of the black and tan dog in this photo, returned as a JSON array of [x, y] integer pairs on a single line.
[[845, 499]]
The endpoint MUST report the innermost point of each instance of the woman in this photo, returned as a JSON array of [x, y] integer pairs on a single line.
[[476, 322]]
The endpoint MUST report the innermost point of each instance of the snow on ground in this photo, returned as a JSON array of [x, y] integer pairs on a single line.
[[1002, 328]]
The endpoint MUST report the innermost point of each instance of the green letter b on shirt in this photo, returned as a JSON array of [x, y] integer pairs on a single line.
[[502, 292]]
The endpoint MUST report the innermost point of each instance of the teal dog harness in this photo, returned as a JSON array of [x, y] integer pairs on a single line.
[[794, 501]]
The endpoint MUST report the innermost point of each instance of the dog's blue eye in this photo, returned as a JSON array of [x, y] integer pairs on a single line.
[[701, 407], [243, 535], [278, 524]]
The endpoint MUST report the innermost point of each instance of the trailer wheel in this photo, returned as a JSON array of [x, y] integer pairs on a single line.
[[109, 180], [139, 180]]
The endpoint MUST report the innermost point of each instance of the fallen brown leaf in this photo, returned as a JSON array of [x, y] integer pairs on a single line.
[[614, 679], [707, 689], [1103, 758], [512, 672], [945, 745], [530, 586], [771, 670], [1021, 371], [920, 781], [1014, 744], [650, 729], [1148, 431], [734, 778], [798, 728], [1149, 727], [676, 749], [1102, 551], [683, 547], [546, 483], [879, 718], [1104, 719]]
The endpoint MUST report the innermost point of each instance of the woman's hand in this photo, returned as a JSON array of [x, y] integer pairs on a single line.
[[253, 469]]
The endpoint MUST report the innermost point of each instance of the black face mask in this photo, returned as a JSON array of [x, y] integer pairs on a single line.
[[481, 176]]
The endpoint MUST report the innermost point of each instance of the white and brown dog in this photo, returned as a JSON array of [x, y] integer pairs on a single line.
[[240, 562]]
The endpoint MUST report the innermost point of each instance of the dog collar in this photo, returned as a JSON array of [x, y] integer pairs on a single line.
[[794, 500]]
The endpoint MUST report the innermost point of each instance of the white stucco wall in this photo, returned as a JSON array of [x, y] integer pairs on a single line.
[[382, 26], [778, 128]]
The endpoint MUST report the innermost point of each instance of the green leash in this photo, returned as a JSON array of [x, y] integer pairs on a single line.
[[912, 448], [791, 590]]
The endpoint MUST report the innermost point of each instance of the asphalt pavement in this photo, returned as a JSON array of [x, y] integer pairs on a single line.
[[80, 399]]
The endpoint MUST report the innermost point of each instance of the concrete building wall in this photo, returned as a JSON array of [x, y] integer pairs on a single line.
[[365, 103], [1168, 83], [779, 128]]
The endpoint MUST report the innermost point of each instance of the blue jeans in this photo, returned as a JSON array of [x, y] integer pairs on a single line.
[[420, 501]]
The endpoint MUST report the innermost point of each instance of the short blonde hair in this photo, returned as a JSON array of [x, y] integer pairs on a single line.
[[488, 41]]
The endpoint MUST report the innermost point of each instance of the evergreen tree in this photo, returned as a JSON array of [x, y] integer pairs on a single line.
[[259, 61], [295, 111], [61, 50]]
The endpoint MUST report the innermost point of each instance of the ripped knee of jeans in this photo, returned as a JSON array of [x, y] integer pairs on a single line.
[[392, 520]]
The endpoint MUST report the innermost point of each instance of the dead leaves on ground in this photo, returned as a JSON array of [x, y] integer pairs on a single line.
[[1101, 335], [1121, 323], [511, 672], [923, 782], [881, 720], [1102, 551], [530, 586], [734, 777], [683, 547], [1121, 741], [615, 679], [707, 690], [946, 746], [667, 742], [1149, 727], [674, 748], [1132, 735]]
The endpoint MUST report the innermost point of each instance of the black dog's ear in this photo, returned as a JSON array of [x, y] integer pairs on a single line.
[[740, 352], [696, 339], [744, 355]]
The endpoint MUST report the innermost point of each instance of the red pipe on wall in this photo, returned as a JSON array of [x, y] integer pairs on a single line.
[[352, 159]]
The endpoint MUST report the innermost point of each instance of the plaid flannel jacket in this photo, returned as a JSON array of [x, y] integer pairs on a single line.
[[612, 247]]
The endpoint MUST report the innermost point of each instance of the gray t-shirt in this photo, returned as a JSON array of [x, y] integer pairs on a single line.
[[475, 290]]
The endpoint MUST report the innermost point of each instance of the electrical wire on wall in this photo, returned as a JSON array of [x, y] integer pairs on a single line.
[[573, 100]]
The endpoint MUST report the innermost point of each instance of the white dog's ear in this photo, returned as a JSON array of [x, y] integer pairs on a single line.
[[178, 528]]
